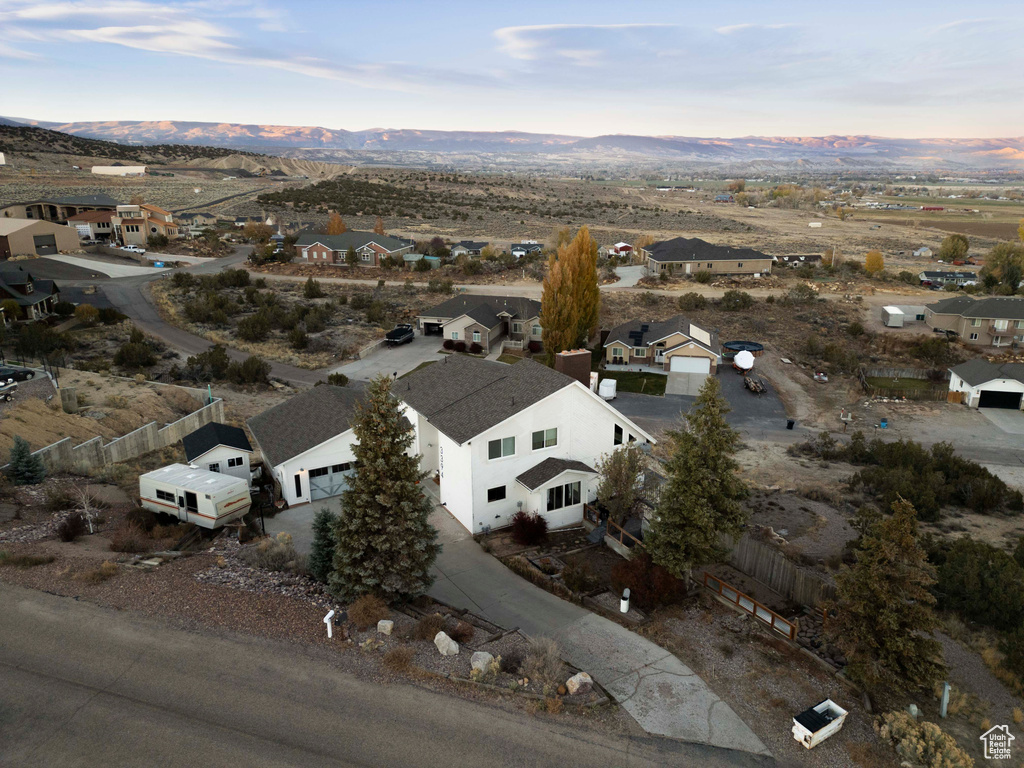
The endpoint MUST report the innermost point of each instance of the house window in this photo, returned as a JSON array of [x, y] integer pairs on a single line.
[[973, 337], [455, 335], [975, 322], [298, 485], [710, 266], [563, 496], [165, 495], [366, 257], [739, 264], [495, 494], [215, 467], [1002, 325], [236, 461], [517, 327], [476, 335], [1020, 324], [545, 438], [639, 352], [499, 449], [618, 435], [536, 330]]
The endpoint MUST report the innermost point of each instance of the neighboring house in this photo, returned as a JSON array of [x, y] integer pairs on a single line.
[[119, 170], [929, 277], [241, 221], [624, 250], [306, 442], [996, 321], [724, 199], [798, 260], [219, 448], [519, 250], [989, 385], [135, 224], [58, 209], [484, 319], [924, 252], [502, 438], [197, 222], [28, 237], [675, 345], [370, 247], [410, 260], [93, 225], [685, 256], [35, 297], [468, 248]]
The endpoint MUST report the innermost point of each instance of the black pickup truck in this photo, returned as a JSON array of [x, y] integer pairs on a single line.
[[403, 333]]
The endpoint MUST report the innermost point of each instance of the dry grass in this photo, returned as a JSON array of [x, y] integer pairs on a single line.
[[462, 633], [543, 662], [366, 611], [553, 705], [107, 570], [399, 659], [24, 561], [428, 627], [129, 538]]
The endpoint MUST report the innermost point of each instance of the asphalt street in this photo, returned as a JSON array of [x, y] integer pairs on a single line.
[[89, 686]]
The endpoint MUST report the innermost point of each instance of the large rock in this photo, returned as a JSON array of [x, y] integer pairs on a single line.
[[384, 626], [579, 683], [445, 645], [481, 661]]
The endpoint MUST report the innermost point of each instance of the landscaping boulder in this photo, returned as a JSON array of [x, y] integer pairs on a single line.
[[445, 645], [384, 626], [481, 661], [579, 683]]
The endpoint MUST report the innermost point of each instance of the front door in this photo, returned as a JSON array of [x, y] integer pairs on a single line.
[[191, 503], [182, 512]]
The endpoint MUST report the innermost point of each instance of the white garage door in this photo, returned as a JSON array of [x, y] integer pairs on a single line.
[[682, 364], [325, 482]]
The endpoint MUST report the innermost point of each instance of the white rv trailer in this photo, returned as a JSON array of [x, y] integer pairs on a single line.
[[208, 499]]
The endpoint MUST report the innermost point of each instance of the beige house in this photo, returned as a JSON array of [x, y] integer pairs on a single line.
[[484, 320], [687, 256], [28, 237], [992, 322], [58, 209], [675, 345], [93, 225], [135, 224]]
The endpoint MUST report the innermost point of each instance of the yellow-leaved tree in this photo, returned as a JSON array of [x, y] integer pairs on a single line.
[[571, 300], [874, 262], [335, 225], [378, 226]]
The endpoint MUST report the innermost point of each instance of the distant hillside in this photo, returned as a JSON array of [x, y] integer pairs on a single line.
[[460, 148]]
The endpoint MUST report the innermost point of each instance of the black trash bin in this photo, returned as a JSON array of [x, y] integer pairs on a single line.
[[790, 423]]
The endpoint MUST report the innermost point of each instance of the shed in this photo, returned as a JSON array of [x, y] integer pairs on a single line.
[[892, 317], [208, 499], [219, 448]]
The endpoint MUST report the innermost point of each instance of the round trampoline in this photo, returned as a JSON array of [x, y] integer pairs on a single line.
[[730, 348]]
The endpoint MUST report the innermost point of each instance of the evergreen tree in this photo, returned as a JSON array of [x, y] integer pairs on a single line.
[[351, 257], [700, 502], [321, 554], [24, 468], [384, 543], [883, 608]]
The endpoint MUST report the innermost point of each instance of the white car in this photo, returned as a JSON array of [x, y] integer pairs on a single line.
[[133, 248]]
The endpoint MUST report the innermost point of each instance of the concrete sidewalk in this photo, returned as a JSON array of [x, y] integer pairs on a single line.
[[660, 692]]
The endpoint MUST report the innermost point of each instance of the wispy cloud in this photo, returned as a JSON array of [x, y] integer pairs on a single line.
[[531, 42]]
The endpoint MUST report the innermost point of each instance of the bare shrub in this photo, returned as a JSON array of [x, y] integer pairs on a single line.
[[399, 659], [462, 633], [24, 561], [577, 576], [366, 611], [273, 554], [543, 662], [511, 662], [71, 527], [528, 530], [129, 538], [107, 570], [428, 627], [58, 498], [142, 517]]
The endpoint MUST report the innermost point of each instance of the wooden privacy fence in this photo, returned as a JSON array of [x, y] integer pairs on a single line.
[[938, 393], [772, 568], [783, 626], [902, 373]]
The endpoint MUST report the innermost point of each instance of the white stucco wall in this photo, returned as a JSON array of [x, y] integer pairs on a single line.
[[455, 467], [220, 455], [973, 394], [337, 450]]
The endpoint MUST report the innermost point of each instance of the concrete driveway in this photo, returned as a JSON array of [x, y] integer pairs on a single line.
[[628, 277], [109, 268], [394, 360], [1008, 420], [684, 383]]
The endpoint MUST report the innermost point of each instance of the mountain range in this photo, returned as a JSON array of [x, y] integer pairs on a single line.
[[322, 143]]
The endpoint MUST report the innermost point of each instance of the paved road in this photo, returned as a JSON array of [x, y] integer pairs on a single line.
[[89, 686]]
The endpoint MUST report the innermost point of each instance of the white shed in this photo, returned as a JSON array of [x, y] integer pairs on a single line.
[[208, 499], [892, 317], [219, 448]]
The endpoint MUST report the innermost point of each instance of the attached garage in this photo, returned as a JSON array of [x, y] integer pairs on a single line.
[[34, 237], [325, 482], [684, 364], [433, 329], [994, 398]]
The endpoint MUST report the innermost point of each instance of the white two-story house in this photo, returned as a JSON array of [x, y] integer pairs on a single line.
[[501, 438]]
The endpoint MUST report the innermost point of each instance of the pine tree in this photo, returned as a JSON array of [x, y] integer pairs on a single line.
[[378, 226], [24, 468], [384, 542], [321, 554], [883, 608], [336, 225], [351, 257], [700, 502]]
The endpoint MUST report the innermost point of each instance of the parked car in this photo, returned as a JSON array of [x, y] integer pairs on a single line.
[[403, 333], [7, 375], [8, 391], [133, 248]]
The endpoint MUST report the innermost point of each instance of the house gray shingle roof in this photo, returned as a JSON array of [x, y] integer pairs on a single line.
[[464, 396], [209, 436], [549, 469], [978, 371], [518, 307], [995, 307], [13, 278], [695, 249], [303, 422], [932, 275], [638, 333], [352, 239], [472, 245]]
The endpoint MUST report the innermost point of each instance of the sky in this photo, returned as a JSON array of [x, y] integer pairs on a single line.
[[901, 68]]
